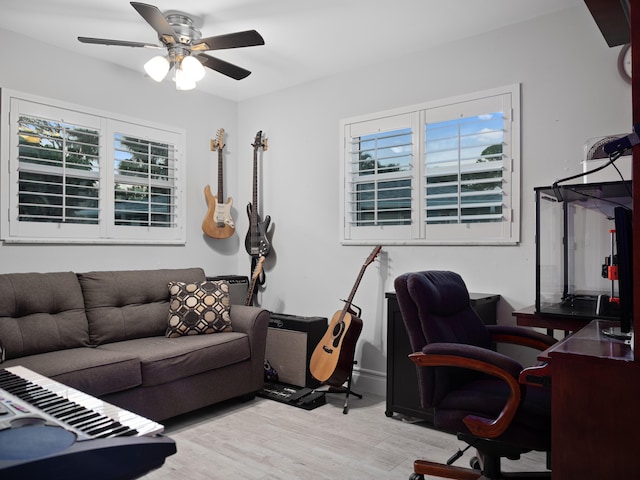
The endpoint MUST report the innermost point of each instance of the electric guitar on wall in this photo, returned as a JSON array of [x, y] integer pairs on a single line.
[[332, 359], [256, 242], [254, 281], [218, 222]]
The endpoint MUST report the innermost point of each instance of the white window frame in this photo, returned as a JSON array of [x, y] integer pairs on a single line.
[[14, 104], [505, 232]]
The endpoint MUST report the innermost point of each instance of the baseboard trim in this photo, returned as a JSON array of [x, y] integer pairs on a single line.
[[369, 381]]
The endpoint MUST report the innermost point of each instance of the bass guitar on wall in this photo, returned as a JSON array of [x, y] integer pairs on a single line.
[[218, 222], [332, 359], [256, 242]]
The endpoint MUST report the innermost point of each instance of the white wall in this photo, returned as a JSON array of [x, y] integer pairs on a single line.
[[40, 69], [571, 91]]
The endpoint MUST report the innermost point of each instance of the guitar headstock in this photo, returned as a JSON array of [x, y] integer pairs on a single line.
[[372, 256], [259, 142], [218, 143], [258, 268]]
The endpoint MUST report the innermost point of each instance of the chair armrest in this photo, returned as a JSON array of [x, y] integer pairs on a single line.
[[520, 336], [480, 354], [482, 360]]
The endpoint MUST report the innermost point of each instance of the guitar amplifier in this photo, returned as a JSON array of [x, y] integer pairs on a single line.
[[291, 341], [238, 287]]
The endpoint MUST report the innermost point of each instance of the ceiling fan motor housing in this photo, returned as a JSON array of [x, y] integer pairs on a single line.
[[185, 29]]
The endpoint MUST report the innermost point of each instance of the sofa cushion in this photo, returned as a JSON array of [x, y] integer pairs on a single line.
[[93, 371], [41, 312], [164, 360], [123, 305], [198, 308]]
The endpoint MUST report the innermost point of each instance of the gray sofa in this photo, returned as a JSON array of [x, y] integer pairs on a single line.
[[104, 333]]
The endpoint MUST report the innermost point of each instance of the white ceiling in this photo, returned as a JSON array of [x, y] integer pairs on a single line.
[[304, 40]]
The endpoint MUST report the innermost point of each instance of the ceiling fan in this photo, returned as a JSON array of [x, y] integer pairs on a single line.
[[184, 44]]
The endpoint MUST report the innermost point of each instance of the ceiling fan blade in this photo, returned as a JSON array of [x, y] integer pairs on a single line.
[[117, 43], [248, 38], [226, 68], [155, 18]]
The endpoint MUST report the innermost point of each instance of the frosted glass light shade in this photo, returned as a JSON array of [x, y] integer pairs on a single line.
[[183, 81], [193, 68], [157, 68]]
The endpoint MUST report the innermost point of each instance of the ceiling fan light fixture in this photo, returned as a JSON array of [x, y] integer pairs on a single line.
[[180, 36], [157, 68], [192, 67], [184, 81]]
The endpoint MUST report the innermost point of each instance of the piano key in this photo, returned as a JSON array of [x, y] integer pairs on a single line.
[[76, 410]]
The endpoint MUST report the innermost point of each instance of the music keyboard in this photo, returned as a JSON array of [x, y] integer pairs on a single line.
[[49, 430], [87, 416]]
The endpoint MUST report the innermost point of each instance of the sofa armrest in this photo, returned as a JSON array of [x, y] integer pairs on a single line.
[[253, 321], [249, 319]]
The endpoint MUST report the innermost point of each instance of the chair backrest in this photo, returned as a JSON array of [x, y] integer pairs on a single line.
[[436, 308]]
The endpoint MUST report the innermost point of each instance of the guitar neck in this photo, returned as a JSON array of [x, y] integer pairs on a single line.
[[349, 300], [254, 210], [367, 262], [251, 292], [220, 176]]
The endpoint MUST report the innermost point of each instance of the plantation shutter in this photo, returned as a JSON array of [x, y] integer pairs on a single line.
[[58, 171], [445, 172], [464, 170], [82, 176], [468, 168], [144, 182], [379, 174]]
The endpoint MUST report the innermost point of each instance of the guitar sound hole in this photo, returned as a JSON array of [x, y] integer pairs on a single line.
[[337, 330]]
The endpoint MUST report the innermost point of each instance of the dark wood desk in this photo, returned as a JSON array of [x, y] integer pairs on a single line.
[[595, 390], [527, 317]]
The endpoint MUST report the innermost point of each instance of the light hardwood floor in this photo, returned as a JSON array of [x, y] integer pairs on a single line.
[[266, 440]]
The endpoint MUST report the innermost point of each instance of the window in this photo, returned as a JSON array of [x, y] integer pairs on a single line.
[[79, 176], [445, 172]]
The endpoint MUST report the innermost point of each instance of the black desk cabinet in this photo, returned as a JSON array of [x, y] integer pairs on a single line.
[[402, 379]]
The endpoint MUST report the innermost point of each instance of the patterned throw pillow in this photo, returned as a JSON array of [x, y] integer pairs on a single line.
[[198, 308]]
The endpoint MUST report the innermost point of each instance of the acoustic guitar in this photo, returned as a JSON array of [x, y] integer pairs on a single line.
[[218, 222], [256, 242], [254, 281], [332, 359]]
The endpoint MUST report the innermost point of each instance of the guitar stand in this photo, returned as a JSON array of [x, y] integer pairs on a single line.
[[346, 390]]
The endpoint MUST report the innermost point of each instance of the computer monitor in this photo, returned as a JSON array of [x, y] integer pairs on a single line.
[[624, 246]]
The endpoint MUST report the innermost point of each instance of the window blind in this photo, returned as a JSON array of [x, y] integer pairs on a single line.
[[144, 182], [58, 171], [380, 187], [76, 175], [464, 170]]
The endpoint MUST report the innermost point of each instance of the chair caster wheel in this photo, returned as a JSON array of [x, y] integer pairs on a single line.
[[474, 462], [416, 476]]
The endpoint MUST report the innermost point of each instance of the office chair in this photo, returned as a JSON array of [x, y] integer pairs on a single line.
[[473, 389]]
